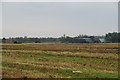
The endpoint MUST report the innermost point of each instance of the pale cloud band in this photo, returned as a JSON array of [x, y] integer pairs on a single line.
[[60, 0], [56, 19]]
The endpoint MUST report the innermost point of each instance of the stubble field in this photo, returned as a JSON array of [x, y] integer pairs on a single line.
[[60, 60]]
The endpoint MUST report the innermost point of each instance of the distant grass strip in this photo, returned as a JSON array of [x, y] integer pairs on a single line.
[[69, 54]]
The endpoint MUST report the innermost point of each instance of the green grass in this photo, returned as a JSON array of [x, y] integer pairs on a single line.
[[42, 60]]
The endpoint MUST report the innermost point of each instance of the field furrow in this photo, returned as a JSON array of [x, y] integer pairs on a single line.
[[60, 60]]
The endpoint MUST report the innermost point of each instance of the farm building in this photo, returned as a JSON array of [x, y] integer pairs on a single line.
[[16, 42], [89, 40], [82, 40], [102, 40], [85, 40], [37, 41], [96, 40]]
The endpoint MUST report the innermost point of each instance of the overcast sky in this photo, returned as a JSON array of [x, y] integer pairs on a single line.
[[39, 19]]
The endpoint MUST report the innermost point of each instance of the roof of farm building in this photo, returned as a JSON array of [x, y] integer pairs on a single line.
[[87, 40]]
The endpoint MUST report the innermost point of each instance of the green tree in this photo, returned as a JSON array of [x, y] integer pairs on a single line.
[[113, 37], [4, 40]]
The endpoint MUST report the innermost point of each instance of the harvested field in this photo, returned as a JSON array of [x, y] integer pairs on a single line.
[[60, 60]]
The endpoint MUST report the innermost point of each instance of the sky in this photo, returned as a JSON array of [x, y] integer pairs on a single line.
[[53, 19], [59, 0]]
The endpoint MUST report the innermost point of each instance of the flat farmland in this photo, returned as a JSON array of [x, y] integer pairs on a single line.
[[60, 60]]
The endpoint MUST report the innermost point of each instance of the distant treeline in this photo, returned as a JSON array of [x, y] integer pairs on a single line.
[[109, 37]]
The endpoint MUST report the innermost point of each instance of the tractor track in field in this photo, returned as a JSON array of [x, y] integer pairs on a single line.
[[91, 57], [70, 50], [77, 56]]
